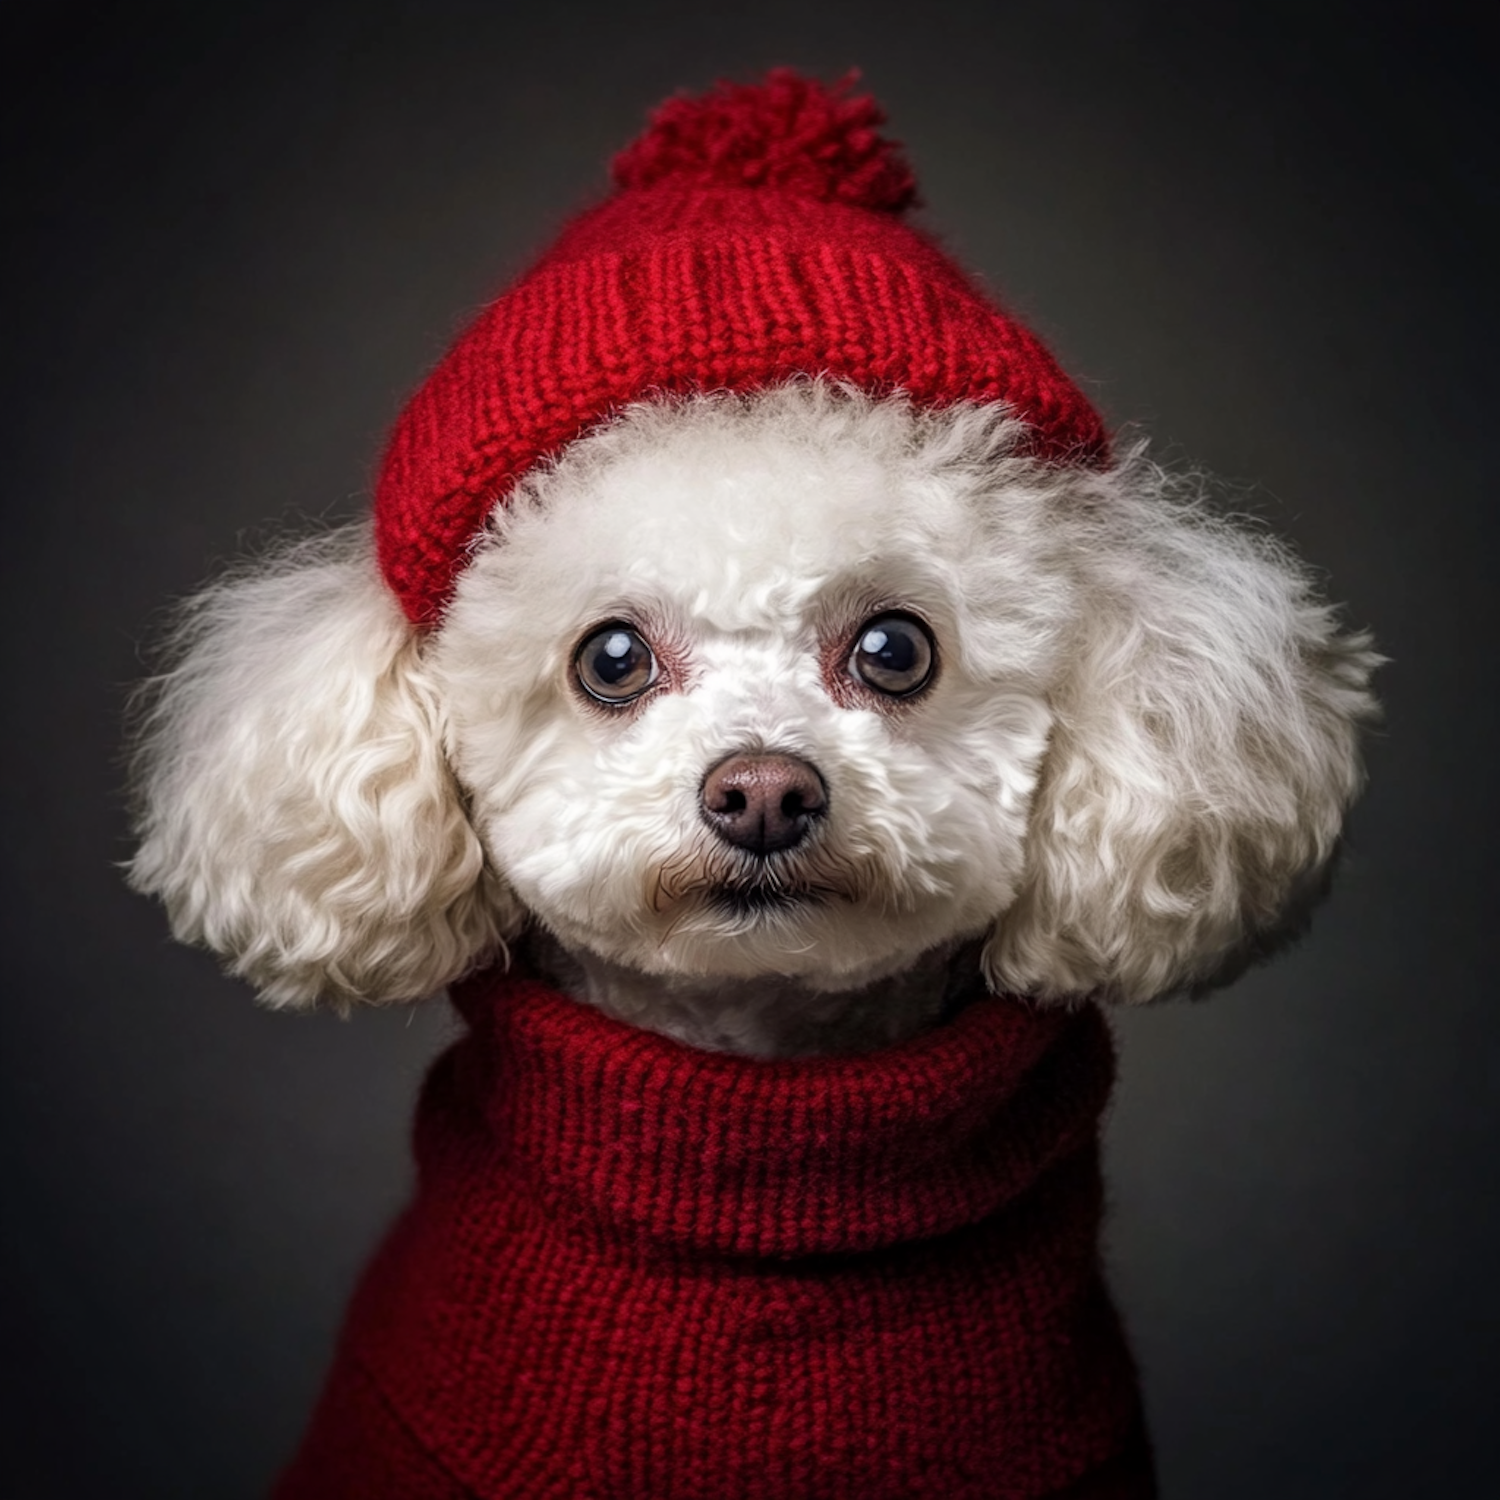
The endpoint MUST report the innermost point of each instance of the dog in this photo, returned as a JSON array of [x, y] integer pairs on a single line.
[[787, 728]]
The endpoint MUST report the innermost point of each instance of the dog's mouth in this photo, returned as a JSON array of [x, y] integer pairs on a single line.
[[749, 889], [759, 898]]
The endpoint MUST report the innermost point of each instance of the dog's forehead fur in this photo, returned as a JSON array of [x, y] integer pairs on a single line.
[[776, 517], [741, 518]]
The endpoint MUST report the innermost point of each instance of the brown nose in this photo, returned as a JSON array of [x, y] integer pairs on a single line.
[[762, 803]]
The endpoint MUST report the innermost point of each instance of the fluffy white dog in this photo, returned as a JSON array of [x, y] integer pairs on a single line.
[[755, 640], [762, 721]]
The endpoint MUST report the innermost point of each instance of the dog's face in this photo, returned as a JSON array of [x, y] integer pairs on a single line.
[[739, 692]]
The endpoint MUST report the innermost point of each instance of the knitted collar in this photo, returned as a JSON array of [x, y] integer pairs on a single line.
[[637, 1269], [647, 1139]]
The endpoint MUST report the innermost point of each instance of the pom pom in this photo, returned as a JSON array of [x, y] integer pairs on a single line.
[[790, 134]]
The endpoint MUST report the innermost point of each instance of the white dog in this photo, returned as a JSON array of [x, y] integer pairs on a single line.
[[754, 641], [756, 712]]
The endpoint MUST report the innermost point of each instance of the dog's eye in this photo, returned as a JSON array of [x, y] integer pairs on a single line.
[[615, 665], [893, 654]]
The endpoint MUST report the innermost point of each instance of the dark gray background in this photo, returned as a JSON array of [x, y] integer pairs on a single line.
[[236, 237]]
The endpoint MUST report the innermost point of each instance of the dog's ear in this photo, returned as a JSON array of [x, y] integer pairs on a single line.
[[295, 806], [1204, 752]]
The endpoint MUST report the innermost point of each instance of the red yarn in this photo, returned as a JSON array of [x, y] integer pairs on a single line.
[[755, 235], [636, 1271], [789, 133]]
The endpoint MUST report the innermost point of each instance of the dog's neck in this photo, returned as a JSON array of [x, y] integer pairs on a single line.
[[771, 1016]]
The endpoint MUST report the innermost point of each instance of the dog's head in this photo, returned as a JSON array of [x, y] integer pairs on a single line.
[[804, 683]]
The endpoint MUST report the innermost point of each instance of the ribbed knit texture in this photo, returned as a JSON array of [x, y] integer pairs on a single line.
[[638, 1271], [754, 235]]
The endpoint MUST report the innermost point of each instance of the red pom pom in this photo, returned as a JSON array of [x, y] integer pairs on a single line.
[[789, 133]]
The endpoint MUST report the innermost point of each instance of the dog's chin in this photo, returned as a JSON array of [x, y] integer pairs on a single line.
[[806, 917], [750, 934], [747, 925]]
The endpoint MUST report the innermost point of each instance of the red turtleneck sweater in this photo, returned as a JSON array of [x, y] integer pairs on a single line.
[[637, 1271]]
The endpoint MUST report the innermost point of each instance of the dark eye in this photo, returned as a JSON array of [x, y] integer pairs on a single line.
[[615, 665], [893, 654]]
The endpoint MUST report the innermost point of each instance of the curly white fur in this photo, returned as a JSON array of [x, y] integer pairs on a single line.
[[297, 811], [1137, 752]]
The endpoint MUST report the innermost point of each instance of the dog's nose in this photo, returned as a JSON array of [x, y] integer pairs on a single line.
[[762, 803]]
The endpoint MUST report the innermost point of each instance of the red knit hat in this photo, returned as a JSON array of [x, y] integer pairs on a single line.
[[754, 234]]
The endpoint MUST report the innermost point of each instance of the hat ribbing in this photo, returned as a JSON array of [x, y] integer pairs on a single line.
[[754, 235]]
